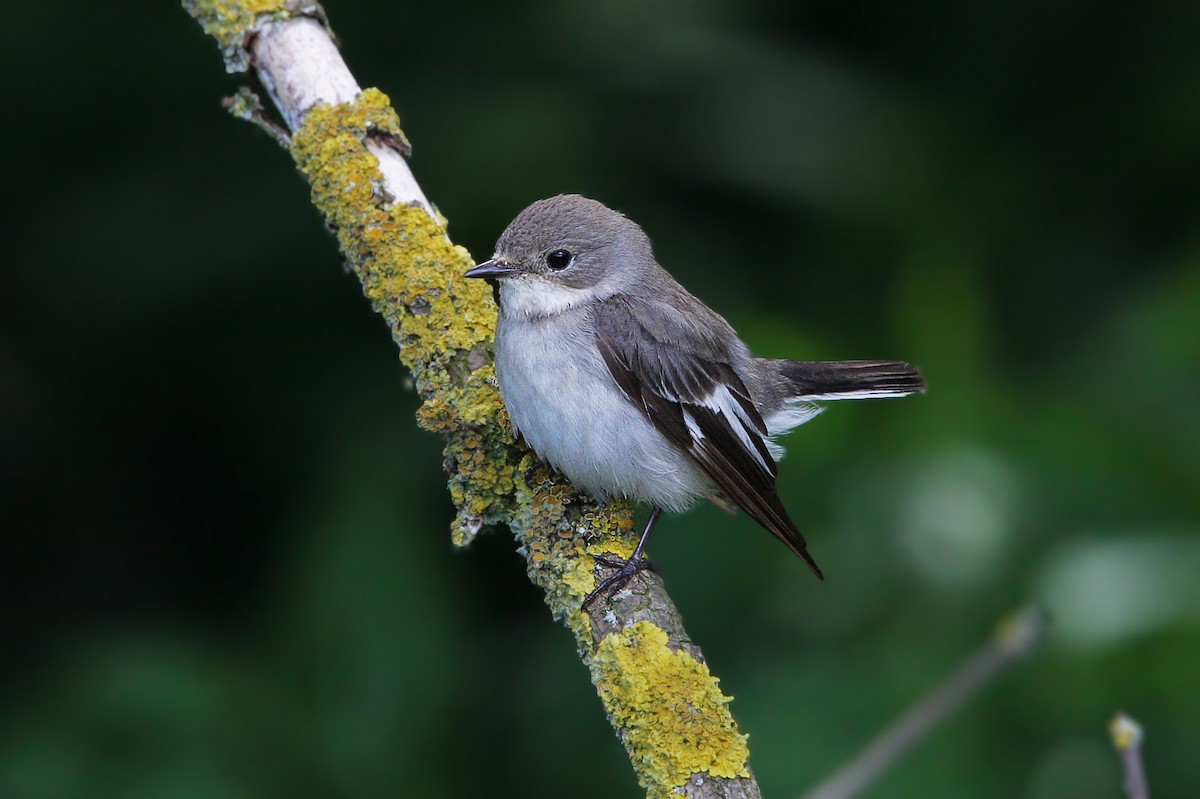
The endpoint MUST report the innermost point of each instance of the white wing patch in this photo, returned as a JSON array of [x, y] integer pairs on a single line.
[[722, 402]]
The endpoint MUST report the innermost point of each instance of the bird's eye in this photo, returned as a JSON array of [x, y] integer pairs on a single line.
[[559, 259]]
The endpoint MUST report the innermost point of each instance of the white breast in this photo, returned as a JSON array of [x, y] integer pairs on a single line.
[[562, 399]]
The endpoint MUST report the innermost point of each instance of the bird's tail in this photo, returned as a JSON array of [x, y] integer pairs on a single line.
[[796, 385], [838, 380]]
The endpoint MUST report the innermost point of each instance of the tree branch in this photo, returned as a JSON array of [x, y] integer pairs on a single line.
[[662, 701], [1127, 740], [1015, 636]]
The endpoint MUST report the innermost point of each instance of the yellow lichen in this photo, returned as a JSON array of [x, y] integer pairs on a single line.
[[668, 708], [559, 561], [579, 576], [621, 547], [231, 21]]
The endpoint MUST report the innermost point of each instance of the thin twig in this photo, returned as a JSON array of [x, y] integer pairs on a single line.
[[1014, 637], [1127, 740]]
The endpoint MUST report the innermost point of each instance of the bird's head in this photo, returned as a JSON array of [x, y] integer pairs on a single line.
[[565, 251]]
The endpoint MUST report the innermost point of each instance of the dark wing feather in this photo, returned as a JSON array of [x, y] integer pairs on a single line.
[[688, 389]]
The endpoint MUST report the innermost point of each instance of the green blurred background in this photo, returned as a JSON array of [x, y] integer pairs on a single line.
[[226, 570]]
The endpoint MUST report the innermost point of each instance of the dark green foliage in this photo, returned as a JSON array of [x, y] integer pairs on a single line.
[[226, 570]]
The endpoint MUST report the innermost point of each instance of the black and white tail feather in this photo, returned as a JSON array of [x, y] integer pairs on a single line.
[[839, 380], [817, 381]]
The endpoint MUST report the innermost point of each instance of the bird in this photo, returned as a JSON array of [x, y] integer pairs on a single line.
[[632, 388]]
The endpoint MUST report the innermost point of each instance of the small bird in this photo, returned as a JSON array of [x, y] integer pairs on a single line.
[[632, 388]]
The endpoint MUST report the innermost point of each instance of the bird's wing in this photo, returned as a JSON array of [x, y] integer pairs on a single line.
[[682, 379]]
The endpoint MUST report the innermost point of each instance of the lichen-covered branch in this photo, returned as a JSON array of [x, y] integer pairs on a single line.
[[663, 703]]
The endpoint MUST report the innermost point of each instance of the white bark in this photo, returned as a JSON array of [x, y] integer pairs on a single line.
[[300, 66]]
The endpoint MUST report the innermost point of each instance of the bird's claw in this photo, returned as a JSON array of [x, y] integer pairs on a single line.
[[532, 471], [625, 570], [645, 563]]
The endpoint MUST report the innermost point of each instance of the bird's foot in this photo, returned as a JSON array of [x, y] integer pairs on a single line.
[[625, 569], [646, 563], [537, 466]]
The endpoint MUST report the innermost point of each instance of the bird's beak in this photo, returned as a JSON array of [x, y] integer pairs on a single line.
[[492, 268]]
